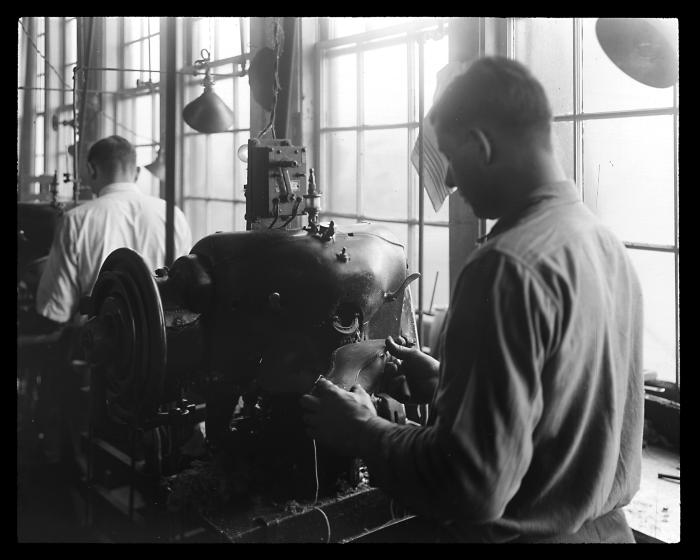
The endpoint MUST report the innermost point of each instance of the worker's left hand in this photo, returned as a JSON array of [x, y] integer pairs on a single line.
[[335, 416]]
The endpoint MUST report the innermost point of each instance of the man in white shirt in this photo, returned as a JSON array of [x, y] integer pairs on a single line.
[[121, 216]]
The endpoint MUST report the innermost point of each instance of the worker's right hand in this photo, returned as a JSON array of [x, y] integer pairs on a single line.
[[412, 368]]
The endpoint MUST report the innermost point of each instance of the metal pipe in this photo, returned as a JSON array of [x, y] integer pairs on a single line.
[[26, 154], [81, 115], [170, 120], [421, 193]]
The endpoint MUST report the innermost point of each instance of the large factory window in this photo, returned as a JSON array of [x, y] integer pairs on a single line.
[[213, 177], [619, 139], [134, 110], [40, 98], [68, 41], [52, 41], [370, 74]]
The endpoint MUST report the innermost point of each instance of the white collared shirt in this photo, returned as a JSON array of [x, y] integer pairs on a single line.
[[121, 216]]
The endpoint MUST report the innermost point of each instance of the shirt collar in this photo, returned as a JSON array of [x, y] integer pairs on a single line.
[[118, 187], [560, 192]]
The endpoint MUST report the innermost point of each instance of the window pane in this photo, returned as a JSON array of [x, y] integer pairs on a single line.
[[657, 275], [385, 85], [242, 109], [192, 91], [344, 26], [563, 140], [339, 172], [220, 216], [39, 136], [326, 217], [143, 122], [385, 174], [224, 89], [240, 169], [606, 87], [546, 47], [340, 108], [71, 39], [132, 61], [40, 100], [38, 164], [153, 61], [195, 212], [239, 216], [435, 57], [194, 165], [221, 158], [628, 176], [436, 263], [228, 37], [429, 214], [147, 182]]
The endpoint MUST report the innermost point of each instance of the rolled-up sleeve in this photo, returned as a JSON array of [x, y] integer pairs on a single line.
[[470, 461]]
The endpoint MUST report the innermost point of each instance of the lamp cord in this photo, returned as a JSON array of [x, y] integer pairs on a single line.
[[325, 517]]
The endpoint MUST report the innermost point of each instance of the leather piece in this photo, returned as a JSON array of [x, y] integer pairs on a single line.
[[359, 363]]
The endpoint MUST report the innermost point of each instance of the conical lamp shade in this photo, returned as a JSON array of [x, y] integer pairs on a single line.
[[157, 168], [208, 113], [644, 49]]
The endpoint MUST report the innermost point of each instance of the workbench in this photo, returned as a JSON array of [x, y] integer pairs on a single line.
[[340, 519]]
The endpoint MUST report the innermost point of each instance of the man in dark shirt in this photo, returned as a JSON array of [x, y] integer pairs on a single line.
[[535, 429]]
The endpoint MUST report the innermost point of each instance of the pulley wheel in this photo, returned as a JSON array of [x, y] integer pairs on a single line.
[[125, 337]]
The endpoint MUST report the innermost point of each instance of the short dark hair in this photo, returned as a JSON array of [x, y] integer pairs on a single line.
[[495, 90], [112, 153]]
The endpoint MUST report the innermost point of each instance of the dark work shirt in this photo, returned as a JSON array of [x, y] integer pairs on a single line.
[[536, 424]]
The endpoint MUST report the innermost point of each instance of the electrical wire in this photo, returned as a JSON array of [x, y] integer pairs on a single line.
[[125, 128], [276, 207], [315, 470], [295, 209], [325, 517], [276, 86], [328, 524]]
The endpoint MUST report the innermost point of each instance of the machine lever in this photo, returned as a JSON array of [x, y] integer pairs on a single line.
[[391, 296]]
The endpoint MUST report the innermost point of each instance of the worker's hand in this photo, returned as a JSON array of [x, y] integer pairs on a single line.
[[335, 416], [410, 369]]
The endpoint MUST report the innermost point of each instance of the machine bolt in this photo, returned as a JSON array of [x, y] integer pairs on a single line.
[[343, 256]]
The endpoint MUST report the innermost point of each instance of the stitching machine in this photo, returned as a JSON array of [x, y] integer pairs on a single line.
[[230, 336]]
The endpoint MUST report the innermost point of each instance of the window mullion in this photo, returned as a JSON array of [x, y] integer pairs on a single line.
[[578, 108], [360, 118], [675, 228]]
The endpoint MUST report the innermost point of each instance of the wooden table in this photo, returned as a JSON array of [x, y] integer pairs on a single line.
[[656, 508]]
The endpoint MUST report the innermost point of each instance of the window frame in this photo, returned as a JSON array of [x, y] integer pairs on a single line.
[[237, 198], [413, 35], [578, 117]]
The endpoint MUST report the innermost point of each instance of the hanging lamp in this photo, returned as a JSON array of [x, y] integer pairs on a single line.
[[646, 49], [208, 113], [157, 167]]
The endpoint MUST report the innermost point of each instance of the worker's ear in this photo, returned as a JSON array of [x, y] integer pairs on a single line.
[[483, 143], [92, 172], [136, 175]]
